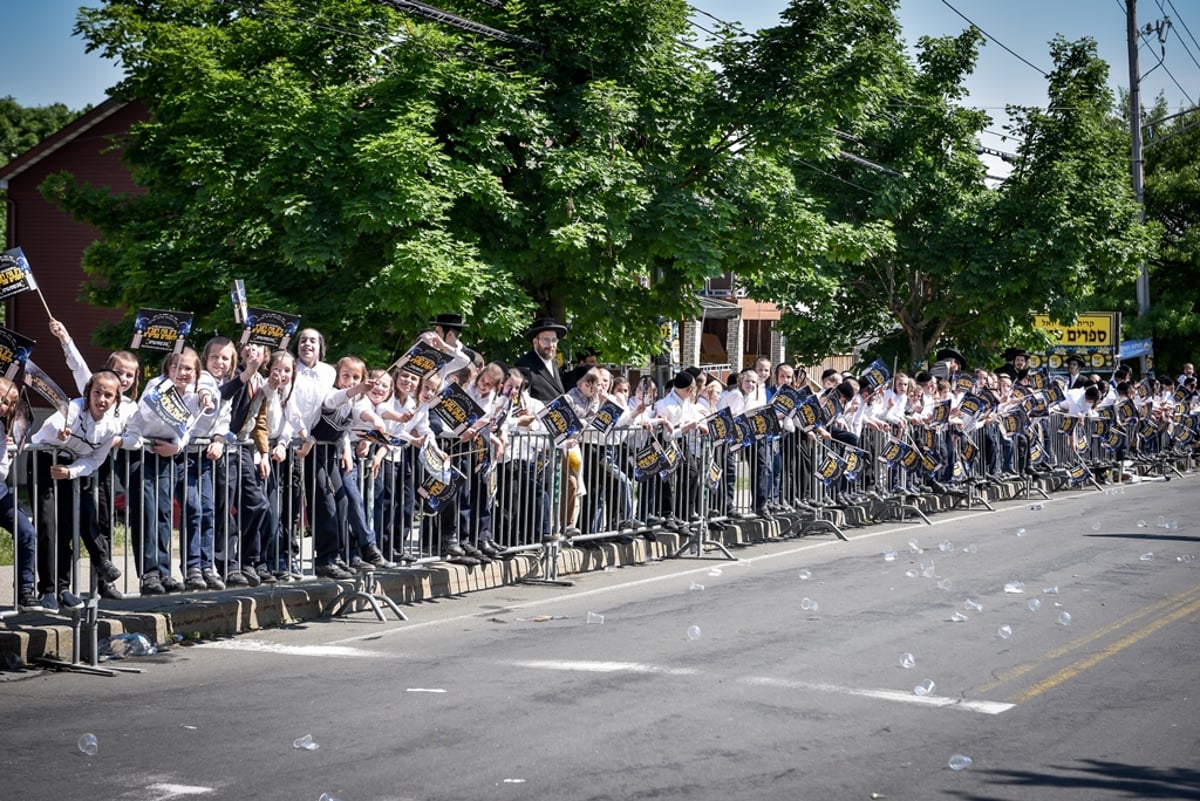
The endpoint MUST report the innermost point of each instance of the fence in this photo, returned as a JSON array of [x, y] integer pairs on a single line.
[[188, 522]]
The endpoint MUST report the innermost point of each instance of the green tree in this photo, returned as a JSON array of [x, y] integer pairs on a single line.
[[1172, 206], [968, 265], [369, 169]]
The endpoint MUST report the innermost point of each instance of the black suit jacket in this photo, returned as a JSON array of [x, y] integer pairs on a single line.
[[546, 385]]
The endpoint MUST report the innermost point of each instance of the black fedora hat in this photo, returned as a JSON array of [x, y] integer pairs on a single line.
[[1012, 353], [950, 354], [1075, 357], [543, 324], [448, 321]]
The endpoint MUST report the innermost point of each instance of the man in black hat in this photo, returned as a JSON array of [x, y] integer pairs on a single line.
[[545, 380], [955, 361], [448, 326], [1014, 363], [1075, 377]]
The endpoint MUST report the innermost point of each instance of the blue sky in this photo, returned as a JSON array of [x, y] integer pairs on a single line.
[[55, 67]]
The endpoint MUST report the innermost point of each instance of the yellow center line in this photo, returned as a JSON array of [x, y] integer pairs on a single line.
[[1074, 669], [1074, 645]]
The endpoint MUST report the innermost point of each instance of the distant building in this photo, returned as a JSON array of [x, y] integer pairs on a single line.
[[53, 242]]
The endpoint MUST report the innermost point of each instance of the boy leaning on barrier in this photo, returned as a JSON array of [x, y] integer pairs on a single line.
[[72, 446]]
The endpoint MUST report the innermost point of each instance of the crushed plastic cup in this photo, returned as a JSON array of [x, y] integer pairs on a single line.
[[1064, 618], [915, 547], [328, 797], [912, 572], [928, 570], [945, 546], [1172, 524], [972, 605], [1004, 632], [714, 571], [1053, 590], [945, 584], [693, 632], [595, 617], [1014, 587], [1020, 532], [88, 744], [305, 743], [958, 617], [1141, 524], [1095, 526], [1162, 521], [960, 762], [925, 687], [1146, 557], [889, 555], [809, 605], [119, 646], [805, 575], [696, 587], [907, 661], [972, 548], [1034, 604], [1037, 507]]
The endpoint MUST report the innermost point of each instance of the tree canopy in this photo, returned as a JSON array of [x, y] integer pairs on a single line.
[[370, 169], [968, 264]]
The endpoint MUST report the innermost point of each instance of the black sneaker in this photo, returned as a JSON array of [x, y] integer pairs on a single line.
[[107, 571], [152, 584], [360, 565], [69, 601], [475, 553], [492, 549], [454, 549], [263, 575], [195, 580], [237, 578], [374, 556], [212, 578], [109, 592], [332, 571], [29, 601], [172, 584]]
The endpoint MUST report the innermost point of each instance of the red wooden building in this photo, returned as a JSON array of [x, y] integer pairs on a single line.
[[53, 242]]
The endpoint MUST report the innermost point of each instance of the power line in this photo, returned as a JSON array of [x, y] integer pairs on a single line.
[[462, 23], [994, 39], [1186, 49], [1179, 17]]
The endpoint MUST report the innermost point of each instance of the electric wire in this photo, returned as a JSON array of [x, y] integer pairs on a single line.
[[1006, 48]]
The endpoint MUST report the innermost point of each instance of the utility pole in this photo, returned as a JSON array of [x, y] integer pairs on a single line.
[[1138, 163]]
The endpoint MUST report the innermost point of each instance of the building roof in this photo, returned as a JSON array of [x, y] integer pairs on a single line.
[[59, 139]]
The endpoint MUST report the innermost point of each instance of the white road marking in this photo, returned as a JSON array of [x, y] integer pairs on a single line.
[[169, 790], [604, 667], [983, 707], [339, 651]]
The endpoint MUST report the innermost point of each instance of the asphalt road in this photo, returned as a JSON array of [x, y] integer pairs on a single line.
[[789, 686]]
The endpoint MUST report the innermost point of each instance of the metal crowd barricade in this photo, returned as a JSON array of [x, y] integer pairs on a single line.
[[700, 478], [54, 501]]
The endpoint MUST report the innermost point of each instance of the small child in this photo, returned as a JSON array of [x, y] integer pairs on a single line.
[[74, 446], [158, 474]]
